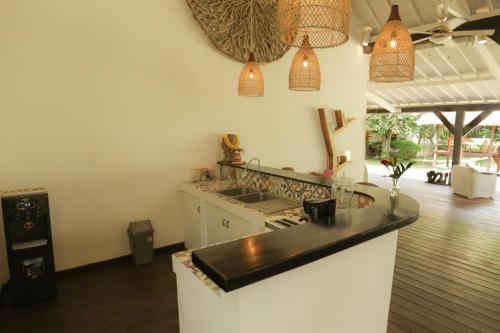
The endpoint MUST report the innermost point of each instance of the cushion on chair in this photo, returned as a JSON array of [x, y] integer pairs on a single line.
[[468, 182]]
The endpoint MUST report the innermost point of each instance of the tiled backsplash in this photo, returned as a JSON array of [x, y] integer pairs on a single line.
[[285, 187]]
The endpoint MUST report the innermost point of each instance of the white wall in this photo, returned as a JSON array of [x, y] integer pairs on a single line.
[[110, 103]]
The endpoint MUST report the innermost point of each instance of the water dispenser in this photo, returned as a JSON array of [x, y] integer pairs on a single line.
[[28, 236]]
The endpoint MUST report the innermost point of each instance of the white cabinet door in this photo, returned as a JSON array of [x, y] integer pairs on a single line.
[[224, 226], [238, 227], [192, 221], [216, 229]]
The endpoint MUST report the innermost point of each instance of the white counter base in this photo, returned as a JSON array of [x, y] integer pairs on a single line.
[[347, 292]]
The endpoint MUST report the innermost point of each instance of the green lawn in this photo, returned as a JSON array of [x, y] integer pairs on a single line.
[[427, 163]]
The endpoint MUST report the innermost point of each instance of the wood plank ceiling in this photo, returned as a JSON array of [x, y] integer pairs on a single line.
[[444, 75]]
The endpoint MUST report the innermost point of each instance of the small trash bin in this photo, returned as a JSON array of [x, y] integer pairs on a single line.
[[141, 241]]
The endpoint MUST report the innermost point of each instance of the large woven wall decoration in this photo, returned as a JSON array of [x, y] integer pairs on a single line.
[[227, 24]]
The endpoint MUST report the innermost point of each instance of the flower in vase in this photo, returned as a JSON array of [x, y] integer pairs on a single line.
[[396, 168]]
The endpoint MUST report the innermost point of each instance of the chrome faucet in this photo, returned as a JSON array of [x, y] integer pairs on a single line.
[[258, 166], [250, 162]]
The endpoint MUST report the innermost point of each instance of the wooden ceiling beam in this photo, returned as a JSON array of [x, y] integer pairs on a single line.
[[447, 61], [421, 72], [456, 10], [432, 25], [444, 91], [394, 96], [489, 60], [408, 95], [445, 121], [492, 91], [474, 17], [465, 3], [433, 94], [475, 91], [372, 14], [480, 16], [474, 122], [445, 108], [466, 58], [415, 11], [429, 63], [386, 105], [431, 82], [417, 92], [490, 4], [459, 92]]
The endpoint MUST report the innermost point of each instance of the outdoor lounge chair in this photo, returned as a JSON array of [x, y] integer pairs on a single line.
[[468, 182]]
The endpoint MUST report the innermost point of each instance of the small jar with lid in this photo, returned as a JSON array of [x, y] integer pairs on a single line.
[[342, 191]]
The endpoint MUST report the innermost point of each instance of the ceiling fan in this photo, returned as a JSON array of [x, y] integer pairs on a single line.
[[443, 33]]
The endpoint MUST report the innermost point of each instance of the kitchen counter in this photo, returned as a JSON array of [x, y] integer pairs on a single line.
[[303, 278], [236, 264], [212, 187]]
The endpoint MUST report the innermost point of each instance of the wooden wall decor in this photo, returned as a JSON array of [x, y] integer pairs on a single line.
[[329, 134], [227, 24]]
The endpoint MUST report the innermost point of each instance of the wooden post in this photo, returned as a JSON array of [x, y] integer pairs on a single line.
[[490, 148], [437, 129], [449, 149], [457, 139]]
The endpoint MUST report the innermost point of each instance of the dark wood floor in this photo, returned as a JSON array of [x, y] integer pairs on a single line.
[[447, 274], [447, 279], [115, 298]]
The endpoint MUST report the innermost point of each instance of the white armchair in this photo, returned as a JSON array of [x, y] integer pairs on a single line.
[[472, 184]]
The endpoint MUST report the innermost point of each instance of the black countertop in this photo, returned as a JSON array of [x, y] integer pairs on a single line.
[[239, 263]]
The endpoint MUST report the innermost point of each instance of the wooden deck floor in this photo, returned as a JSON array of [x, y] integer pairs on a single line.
[[447, 274]]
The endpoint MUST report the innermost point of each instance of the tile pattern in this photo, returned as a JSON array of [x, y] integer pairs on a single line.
[[214, 185], [185, 258], [288, 188], [292, 189]]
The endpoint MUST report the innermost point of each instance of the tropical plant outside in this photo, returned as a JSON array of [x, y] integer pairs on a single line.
[[401, 132], [407, 150]]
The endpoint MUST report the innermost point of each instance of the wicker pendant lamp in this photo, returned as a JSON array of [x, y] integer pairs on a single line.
[[393, 56], [251, 82], [326, 22], [305, 74]]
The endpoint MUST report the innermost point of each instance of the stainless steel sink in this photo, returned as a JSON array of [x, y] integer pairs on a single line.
[[240, 190], [267, 203], [256, 197], [262, 201]]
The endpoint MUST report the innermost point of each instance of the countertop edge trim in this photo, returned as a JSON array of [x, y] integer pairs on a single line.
[[302, 259]]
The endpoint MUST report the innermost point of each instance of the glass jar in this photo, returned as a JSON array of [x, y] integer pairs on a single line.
[[342, 191]]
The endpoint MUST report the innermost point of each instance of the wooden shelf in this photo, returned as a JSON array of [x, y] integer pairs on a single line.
[[328, 136], [340, 167], [338, 130]]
